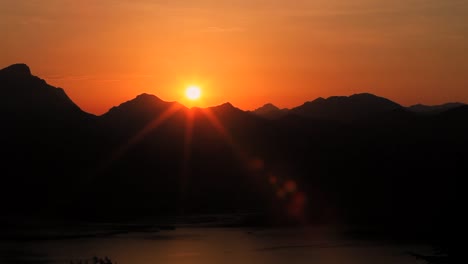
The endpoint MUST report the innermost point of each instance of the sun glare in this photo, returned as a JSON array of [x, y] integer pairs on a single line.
[[193, 92]]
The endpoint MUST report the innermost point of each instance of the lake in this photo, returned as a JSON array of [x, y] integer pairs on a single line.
[[205, 245]]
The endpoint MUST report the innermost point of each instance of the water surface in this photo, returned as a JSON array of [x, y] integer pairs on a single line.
[[209, 245]]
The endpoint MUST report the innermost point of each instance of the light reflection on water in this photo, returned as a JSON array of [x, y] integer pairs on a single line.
[[212, 245]]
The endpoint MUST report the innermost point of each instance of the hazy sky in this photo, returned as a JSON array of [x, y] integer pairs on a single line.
[[248, 52]]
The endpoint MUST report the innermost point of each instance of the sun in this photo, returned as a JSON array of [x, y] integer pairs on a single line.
[[193, 92]]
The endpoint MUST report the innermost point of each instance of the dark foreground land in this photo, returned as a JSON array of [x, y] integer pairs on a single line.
[[361, 160]]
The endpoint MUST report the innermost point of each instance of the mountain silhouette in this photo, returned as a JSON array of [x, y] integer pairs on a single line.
[[19, 70], [233, 116], [143, 104], [46, 137], [357, 160], [342, 108], [25, 94], [270, 111], [431, 109], [136, 113]]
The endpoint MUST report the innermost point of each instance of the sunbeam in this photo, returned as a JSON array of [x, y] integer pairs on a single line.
[[141, 134], [224, 133], [185, 170]]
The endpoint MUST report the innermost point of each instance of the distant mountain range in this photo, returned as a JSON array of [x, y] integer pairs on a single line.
[[431, 109], [30, 93], [348, 108], [356, 159]]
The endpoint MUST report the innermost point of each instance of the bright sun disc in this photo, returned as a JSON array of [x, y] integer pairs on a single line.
[[193, 92]]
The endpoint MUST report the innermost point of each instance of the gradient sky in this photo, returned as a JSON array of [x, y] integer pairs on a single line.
[[247, 52]]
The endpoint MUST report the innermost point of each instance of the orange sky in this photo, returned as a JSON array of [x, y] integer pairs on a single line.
[[248, 52]]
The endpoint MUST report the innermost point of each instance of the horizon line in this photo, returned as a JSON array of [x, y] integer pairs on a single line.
[[228, 102]]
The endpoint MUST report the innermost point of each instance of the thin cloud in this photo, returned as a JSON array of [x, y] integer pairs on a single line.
[[68, 78], [96, 78], [80, 78]]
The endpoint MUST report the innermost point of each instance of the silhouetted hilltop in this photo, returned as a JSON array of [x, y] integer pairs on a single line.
[[270, 111], [143, 106], [229, 116], [342, 108], [18, 70], [227, 110], [432, 109], [147, 115], [48, 140], [27, 95]]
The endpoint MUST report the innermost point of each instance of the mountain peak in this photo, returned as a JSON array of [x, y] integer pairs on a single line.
[[19, 69], [346, 108], [319, 99], [27, 95], [225, 108], [267, 107], [270, 111], [147, 98], [143, 104], [226, 105], [366, 95]]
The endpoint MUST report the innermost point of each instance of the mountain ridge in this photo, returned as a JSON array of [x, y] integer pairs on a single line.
[[270, 111], [315, 109], [428, 109], [30, 95], [346, 108], [18, 69]]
